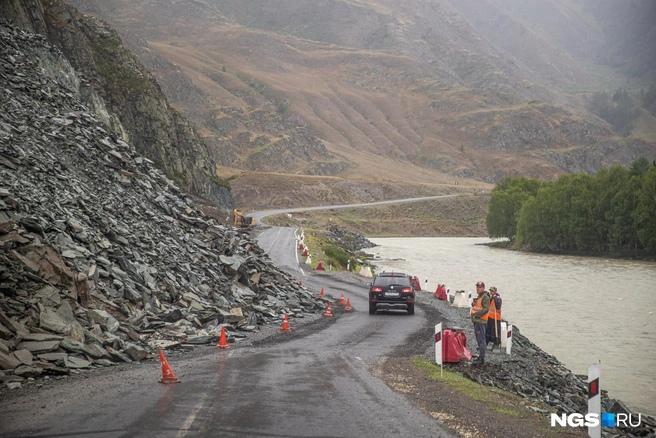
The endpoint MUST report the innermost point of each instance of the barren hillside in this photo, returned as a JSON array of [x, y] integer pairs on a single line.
[[375, 91]]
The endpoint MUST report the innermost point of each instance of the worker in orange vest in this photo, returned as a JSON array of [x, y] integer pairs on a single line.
[[478, 313], [493, 330]]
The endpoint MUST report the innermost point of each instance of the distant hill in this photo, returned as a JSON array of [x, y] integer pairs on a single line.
[[396, 92]]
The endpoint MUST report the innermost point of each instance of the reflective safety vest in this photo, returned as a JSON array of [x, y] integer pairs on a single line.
[[493, 313], [477, 306]]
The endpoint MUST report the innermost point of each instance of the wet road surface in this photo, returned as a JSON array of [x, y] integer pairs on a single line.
[[318, 384]]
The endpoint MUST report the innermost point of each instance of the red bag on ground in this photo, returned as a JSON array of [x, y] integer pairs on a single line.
[[455, 347]]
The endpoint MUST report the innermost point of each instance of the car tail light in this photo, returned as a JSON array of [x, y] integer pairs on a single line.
[[376, 289], [406, 290]]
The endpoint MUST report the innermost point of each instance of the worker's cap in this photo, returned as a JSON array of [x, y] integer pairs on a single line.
[[480, 284], [493, 289]]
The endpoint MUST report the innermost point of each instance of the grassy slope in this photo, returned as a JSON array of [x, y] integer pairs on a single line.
[[461, 216]]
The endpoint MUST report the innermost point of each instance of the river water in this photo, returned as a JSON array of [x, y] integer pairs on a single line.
[[580, 309]]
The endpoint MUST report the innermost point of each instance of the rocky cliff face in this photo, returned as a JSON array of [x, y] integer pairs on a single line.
[[102, 257], [123, 94]]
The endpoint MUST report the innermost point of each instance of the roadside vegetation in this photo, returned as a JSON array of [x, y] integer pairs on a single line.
[[608, 213], [334, 256], [466, 407]]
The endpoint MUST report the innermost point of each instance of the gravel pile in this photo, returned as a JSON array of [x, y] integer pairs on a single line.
[[352, 242], [529, 372], [102, 258]]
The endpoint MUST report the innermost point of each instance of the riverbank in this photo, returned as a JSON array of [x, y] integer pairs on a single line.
[[528, 385], [507, 244], [552, 298]]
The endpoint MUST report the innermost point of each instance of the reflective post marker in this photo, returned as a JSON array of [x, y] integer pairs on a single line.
[[509, 339], [504, 334], [438, 346], [594, 398]]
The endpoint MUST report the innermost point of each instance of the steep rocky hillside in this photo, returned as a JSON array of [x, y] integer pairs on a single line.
[[122, 93], [447, 89], [102, 257]]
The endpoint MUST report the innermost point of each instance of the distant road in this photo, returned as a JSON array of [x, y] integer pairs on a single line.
[[259, 215], [280, 242]]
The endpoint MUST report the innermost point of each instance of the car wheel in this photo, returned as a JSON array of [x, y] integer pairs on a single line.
[[372, 309], [411, 309]]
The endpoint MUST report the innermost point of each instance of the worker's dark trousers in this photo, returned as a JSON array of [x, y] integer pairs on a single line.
[[493, 334], [479, 331]]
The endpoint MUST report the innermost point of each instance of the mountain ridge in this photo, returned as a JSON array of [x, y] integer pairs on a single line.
[[354, 89]]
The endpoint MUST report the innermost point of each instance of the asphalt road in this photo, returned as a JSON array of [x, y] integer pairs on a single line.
[[319, 383]]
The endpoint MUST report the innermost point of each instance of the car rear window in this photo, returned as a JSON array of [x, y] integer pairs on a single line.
[[386, 281]]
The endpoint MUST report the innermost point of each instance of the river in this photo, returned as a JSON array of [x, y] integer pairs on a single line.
[[580, 309]]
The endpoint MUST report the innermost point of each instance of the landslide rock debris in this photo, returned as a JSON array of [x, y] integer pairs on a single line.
[[348, 240], [102, 258]]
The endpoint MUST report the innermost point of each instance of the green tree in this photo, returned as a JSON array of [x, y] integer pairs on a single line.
[[506, 201], [645, 214]]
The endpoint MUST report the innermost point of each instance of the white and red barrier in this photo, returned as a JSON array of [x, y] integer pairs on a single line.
[[594, 398], [438, 346]]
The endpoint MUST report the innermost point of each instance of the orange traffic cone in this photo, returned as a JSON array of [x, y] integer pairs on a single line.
[[284, 327], [348, 307], [223, 339], [322, 293], [328, 313], [168, 376], [342, 300]]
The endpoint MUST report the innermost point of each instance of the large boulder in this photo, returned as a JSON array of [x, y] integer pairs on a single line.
[[106, 320]]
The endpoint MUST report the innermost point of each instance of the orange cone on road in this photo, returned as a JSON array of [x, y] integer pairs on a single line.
[[322, 293], [168, 376], [328, 313], [348, 307], [320, 266], [284, 327], [223, 339], [342, 300]]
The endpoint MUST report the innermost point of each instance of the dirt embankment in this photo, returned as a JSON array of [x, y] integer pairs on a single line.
[[458, 216]]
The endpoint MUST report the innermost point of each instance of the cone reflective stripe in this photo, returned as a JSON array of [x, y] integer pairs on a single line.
[[168, 376], [509, 339], [594, 398], [504, 334], [329, 311], [223, 339], [438, 344]]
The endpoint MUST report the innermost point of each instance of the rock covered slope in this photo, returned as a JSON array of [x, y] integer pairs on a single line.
[[102, 257], [123, 94]]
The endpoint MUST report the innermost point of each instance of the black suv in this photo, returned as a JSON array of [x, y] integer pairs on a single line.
[[391, 290]]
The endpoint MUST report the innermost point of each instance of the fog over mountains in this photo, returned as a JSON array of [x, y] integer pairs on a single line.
[[346, 89]]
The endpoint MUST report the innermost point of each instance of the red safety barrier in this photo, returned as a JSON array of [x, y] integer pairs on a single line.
[[454, 346], [440, 293]]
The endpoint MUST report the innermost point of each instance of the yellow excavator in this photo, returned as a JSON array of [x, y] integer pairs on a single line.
[[239, 220]]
